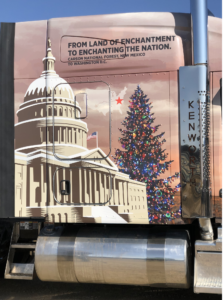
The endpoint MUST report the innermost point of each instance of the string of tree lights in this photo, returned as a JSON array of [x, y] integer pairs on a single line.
[[143, 159]]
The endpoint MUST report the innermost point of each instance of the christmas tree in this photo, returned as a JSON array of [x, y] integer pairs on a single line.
[[144, 160]]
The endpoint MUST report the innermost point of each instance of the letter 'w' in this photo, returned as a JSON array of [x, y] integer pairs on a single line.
[[191, 137]]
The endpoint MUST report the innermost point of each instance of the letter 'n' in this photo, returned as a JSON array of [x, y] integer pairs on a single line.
[[191, 126]]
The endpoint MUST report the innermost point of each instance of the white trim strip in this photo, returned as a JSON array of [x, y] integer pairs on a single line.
[[49, 118], [48, 103], [50, 145], [61, 206], [55, 97], [67, 162]]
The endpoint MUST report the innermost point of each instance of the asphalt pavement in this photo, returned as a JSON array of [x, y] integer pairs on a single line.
[[37, 290]]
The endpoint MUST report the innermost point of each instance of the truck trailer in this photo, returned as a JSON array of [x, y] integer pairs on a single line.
[[111, 149]]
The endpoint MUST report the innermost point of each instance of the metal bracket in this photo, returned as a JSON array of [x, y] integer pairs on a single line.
[[75, 109], [208, 266], [87, 166], [109, 96]]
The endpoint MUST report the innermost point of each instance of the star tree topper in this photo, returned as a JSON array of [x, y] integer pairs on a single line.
[[119, 101]]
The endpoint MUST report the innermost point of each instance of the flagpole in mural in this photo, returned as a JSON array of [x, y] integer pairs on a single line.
[[94, 135], [143, 158]]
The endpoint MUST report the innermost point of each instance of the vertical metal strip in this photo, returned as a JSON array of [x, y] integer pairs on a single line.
[[201, 139], [7, 176], [194, 130], [48, 190]]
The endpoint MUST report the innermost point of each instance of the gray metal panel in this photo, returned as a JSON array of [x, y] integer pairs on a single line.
[[208, 266], [194, 110], [7, 33]]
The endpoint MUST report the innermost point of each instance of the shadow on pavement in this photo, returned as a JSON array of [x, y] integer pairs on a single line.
[[22, 290]]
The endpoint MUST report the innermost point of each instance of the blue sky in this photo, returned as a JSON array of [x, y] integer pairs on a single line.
[[28, 10]]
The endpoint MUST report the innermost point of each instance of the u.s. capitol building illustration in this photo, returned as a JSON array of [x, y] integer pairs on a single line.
[[38, 173]]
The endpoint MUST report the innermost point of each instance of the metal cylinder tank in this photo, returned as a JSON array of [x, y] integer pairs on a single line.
[[115, 256], [199, 22]]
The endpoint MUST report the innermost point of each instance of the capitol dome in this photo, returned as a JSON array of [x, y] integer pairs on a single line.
[[50, 81], [45, 84], [48, 102]]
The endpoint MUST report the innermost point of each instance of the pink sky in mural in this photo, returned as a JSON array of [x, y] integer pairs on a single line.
[[160, 86]]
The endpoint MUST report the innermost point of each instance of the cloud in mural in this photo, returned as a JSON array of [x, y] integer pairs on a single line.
[[98, 99]]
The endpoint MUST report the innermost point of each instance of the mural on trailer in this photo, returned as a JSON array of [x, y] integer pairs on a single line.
[[143, 157], [67, 138], [128, 182], [39, 173]]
